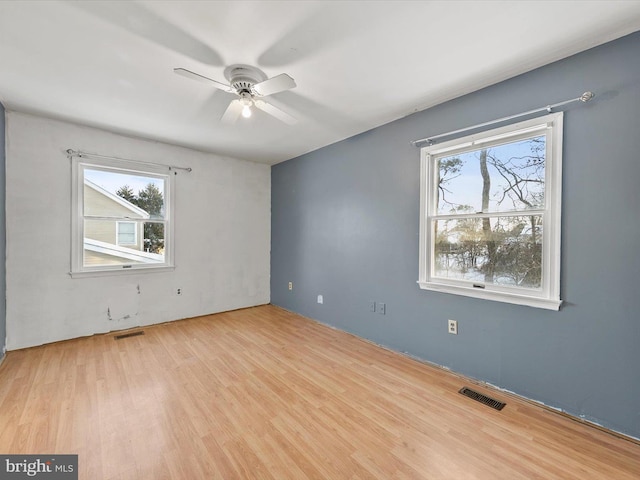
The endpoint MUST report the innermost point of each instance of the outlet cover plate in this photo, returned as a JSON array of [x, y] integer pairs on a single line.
[[452, 327]]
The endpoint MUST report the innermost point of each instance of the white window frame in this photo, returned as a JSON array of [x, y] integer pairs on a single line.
[[548, 296], [78, 269], [135, 232]]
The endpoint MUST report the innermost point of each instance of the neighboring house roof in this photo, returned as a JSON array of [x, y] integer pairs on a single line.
[[121, 252], [139, 212]]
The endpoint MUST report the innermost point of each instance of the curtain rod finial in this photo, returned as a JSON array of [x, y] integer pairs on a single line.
[[586, 96]]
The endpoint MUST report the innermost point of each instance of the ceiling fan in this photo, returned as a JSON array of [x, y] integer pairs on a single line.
[[250, 84]]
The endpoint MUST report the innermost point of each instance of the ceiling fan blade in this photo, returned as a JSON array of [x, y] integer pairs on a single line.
[[232, 112], [196, 76], [275, 112], [279, 83]]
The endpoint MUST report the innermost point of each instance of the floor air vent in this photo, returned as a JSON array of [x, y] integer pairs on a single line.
[[478, 397], [130, 334]]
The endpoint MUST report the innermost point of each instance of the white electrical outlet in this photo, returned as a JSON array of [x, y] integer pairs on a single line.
[[290, 285], [320, 299], [453, 327]]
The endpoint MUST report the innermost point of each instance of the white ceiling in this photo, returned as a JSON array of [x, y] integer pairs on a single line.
[[357, 64]]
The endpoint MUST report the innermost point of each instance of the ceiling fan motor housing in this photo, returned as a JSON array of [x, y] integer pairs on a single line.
[[243, 78]]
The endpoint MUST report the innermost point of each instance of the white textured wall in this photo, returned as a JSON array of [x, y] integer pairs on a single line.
[[222, 239]]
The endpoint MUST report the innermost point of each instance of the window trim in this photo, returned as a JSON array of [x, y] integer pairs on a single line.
[[78, 270], [548, 296]]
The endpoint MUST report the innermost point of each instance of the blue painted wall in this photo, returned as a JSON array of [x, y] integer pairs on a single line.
[[345, 225], [3, 238]]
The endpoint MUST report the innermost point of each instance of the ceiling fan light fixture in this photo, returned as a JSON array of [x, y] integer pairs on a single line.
[[246, 111]]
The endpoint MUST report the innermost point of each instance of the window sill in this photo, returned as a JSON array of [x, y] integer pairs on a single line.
[[121, 271], [536, 302]]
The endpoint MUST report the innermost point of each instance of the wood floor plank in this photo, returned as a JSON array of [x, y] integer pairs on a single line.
[[263, 393]]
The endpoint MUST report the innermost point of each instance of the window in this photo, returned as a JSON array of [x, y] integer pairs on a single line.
[[126, 233], [490, 214], [121, 219]]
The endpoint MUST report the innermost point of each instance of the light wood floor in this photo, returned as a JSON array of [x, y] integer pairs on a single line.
[[264, 393]]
